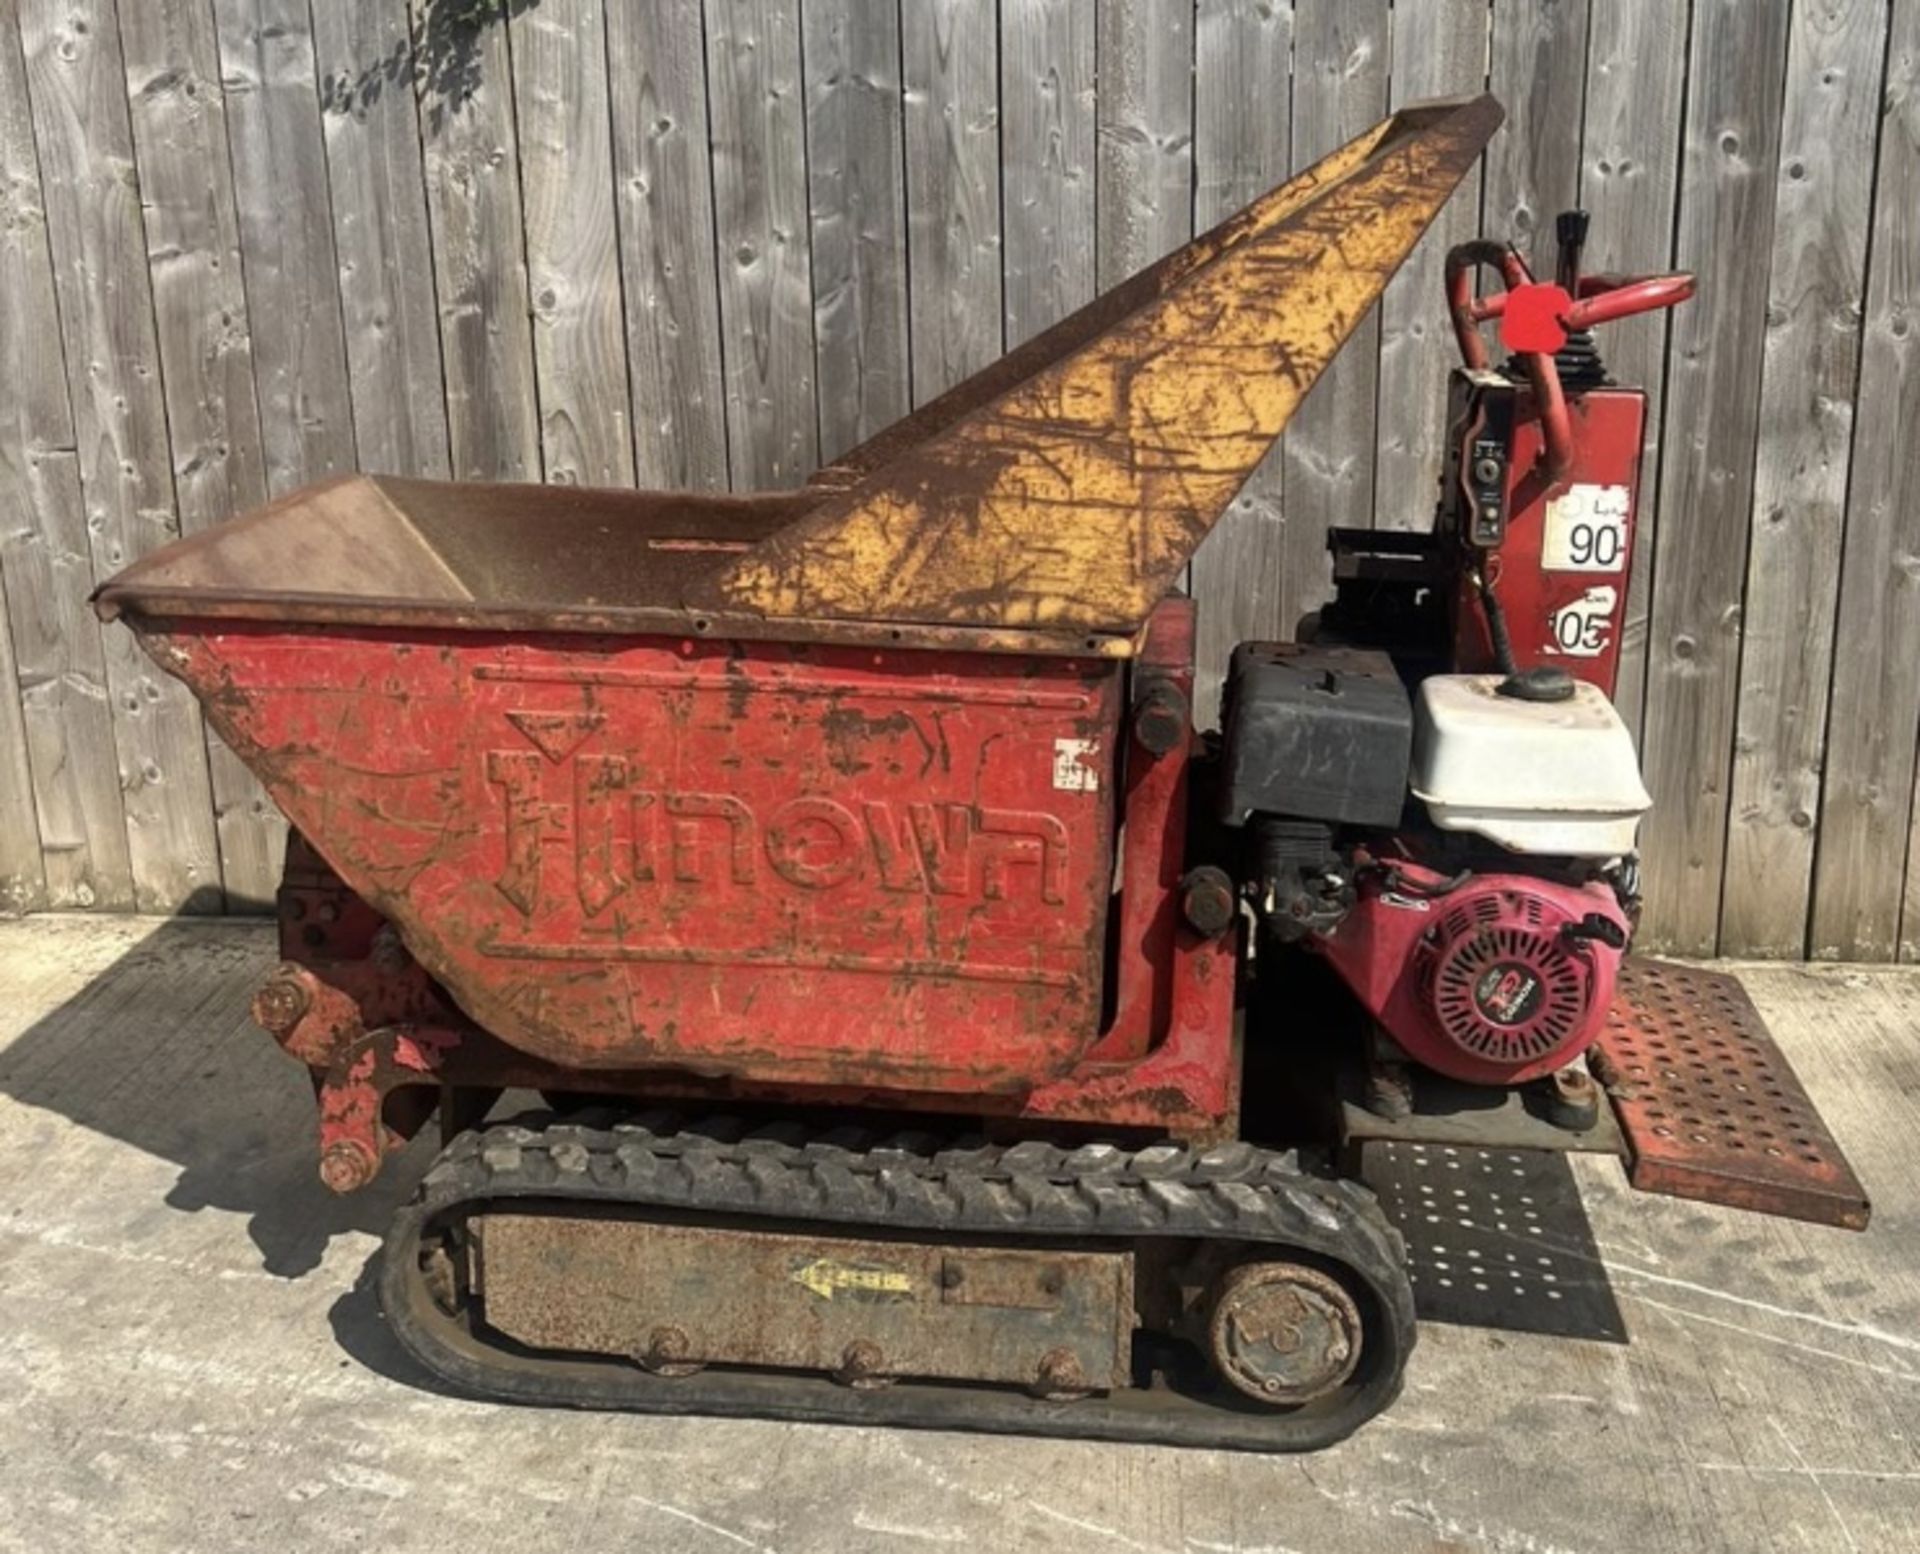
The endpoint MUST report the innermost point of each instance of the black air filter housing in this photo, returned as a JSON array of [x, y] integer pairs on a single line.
[[1322, 733]]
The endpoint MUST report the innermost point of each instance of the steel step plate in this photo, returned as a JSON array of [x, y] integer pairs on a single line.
[[1710, 1106]]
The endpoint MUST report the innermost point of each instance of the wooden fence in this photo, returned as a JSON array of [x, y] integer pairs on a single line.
[[245, 244]]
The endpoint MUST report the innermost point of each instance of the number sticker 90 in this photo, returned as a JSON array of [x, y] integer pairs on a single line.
[[1586, 530]]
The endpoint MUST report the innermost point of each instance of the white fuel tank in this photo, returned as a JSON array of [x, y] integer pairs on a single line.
[[1536, 777]]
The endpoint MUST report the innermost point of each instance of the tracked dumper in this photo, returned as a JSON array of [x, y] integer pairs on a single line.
[[934, 1027]]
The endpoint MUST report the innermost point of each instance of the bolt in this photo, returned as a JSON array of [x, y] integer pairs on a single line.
[[1160, 718], [861, 1364], [1573, 1100], [282, 1000], [1390, 1092], [1207, 900], [347, 1165], [952, 1276], [1059, 1378], [438, 1274], [668, 1352]]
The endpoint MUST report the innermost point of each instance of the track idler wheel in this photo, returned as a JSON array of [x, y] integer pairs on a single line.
[[1284, 1333]]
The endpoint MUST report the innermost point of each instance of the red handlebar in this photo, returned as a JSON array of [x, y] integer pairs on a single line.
[[1600, 300], [1463, 262], [1603, 298]]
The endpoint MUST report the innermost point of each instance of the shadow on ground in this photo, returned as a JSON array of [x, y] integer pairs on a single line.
[[1496, 1238], [158, 1051]]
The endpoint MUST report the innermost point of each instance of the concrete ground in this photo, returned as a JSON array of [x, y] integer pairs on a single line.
[[191, 1357]]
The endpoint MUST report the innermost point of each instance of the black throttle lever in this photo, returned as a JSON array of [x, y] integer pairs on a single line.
[[1596, 925]]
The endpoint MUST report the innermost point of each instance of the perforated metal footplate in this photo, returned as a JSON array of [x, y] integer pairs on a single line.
[[1710, 1106]]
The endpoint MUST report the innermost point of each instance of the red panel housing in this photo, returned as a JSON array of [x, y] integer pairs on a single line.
[[1567, 616]]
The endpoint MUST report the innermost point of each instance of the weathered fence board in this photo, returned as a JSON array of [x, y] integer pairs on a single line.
[[1046, 160], [953, 189], [71, 796], [656, 65], [64, 700], [1143, 119], [77, 86], [1539, 70], [1439, 50], [857, 196], [286, 239], [1823, 194], [707, 243], [573, 257], [33, 403], [381, 235], [1340, 55], [1867, 799], [472, 163], [23, 878], [1241, 49], [760, 218], [179, 117], [1630, 169], [1725, 233]]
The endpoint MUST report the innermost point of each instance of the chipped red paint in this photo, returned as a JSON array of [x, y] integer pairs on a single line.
[[639, 851], [795, 871], [1574, 620]]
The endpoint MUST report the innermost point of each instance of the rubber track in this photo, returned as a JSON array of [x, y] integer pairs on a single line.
[[1234, 1193]]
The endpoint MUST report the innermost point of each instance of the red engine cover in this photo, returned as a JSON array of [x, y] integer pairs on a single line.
[[1483, 983]]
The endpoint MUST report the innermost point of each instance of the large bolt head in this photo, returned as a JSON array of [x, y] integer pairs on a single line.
[[346, 1165], [1059, 1378], [282, 1001], [669, 1352], [1160, 718], [862, 1366], [1207, 900]]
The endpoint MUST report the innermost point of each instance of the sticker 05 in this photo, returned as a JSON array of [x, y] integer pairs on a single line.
[[1583, 628]]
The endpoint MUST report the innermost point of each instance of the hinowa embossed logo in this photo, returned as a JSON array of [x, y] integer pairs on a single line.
[[625, 831]]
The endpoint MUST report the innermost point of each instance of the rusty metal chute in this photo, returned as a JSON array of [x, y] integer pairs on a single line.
[[1044, 504], [1064, 487]]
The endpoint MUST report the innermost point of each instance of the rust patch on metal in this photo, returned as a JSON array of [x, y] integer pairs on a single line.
[[675, 1296], [1710, 1106], [1067, 485], [376, 550]]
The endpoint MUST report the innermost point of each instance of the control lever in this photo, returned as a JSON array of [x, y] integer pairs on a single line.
[[1596, 926], [1570, 230]]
